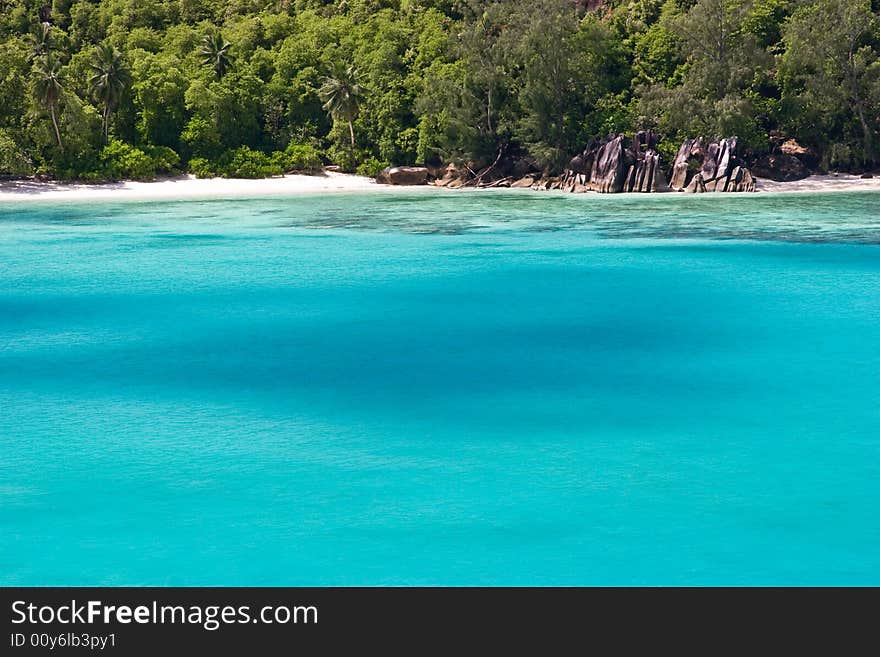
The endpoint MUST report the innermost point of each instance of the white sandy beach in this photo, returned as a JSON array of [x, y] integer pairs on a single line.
[[185, 187], [825, 183], [189, 187]]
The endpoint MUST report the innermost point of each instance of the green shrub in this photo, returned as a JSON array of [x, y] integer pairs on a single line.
[[202, 168], [201, 138], [165, 160], [279, 159], [245, 162], [13, 160], [371, 167], [302, 157], [124, 161], [343, 158]]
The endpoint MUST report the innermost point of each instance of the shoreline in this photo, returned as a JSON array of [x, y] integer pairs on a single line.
[[189, 187], [821, 183], [186, 187]]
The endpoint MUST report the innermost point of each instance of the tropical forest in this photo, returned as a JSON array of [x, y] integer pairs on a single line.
[[97, 90]]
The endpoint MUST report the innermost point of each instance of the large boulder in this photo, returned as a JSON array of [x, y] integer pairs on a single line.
[[710, 161], [403, 176], [726, 161], [446, 176], [583, 163], [696, 185], [741, 181], [610, 167], [804, 154], [688, 161], [578, 165], [575, 182], [646, 173], [525, 181], [712, 168], [781, 167], [616, 164]]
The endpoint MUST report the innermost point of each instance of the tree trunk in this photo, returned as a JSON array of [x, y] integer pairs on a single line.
[[489, 111], [55, 124], [106, 124], [351, 134], [866, 135], [858, 106]]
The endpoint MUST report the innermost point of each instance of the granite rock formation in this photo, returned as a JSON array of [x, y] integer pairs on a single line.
[[646, 173], [617, 165], [612, 165], [710, 168]]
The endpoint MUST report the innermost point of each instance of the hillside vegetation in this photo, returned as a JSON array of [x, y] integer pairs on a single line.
[[108, 89]]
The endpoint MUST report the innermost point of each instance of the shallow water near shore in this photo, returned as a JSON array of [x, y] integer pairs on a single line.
[[441, 388]]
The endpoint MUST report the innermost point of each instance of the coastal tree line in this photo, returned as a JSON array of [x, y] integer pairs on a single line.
[[104, 89]]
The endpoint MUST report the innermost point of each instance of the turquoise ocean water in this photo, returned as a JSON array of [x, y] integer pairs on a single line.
[[441, 388]]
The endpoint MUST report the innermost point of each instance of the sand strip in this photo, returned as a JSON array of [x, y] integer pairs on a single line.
[[189, 187], [185, 187]]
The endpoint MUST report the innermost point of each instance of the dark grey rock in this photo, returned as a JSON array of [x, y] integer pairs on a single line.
[[715, 168], [781, 167], [403, 176]]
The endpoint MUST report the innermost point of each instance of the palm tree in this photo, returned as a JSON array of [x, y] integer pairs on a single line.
[[215, 53], [48, 88], [41, 40], [342, 95], [109, 81]]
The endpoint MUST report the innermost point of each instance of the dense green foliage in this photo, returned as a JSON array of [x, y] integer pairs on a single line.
[[107, 89]]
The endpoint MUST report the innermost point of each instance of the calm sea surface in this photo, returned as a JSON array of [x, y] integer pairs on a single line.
[[441, 388]]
